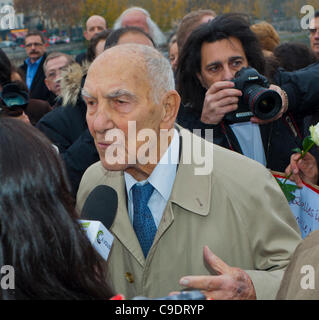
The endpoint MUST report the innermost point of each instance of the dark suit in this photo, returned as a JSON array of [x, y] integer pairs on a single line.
[[38, 88]]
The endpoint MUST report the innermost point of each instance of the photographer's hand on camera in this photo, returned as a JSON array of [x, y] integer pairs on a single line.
[[220, 99], [284, 107]]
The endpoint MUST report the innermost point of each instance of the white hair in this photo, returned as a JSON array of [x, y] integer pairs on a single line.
[[159, 71], [157, 35]]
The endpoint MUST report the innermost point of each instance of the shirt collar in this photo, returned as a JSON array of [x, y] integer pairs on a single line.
[[29, 63], [163, 175]]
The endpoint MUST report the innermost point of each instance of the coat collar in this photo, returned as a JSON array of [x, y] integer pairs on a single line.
[[190, 191]]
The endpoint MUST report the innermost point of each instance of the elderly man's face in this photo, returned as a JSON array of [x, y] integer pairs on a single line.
[[117, 90]]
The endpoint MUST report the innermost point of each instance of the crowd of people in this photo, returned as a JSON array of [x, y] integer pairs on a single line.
[[59, 116]]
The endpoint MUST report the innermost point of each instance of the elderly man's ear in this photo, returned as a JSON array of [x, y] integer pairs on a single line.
[[170, 103]]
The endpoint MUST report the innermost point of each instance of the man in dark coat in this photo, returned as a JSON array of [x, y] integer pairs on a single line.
[[66, 127], [33, 67]]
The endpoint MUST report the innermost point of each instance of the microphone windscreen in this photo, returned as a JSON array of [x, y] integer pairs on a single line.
[[101, 205]]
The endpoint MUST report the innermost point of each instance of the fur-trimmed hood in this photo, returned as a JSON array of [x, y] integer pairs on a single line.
[[71, 80]]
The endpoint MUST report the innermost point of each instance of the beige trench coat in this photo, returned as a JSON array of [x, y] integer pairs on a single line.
[[301, 278], [238, 210]]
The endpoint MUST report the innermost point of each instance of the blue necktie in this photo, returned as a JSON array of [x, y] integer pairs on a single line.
[[143, 222]]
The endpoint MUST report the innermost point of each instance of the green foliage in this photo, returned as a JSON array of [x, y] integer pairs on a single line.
[[287, 189], [307, 144]]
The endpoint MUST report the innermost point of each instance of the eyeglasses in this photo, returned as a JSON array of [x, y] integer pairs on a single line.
[[36, 44], [55, 73]]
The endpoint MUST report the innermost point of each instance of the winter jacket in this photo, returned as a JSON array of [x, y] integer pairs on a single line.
[[38, 88], [66, 127]]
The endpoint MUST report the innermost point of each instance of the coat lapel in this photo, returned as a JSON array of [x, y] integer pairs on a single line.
[[39, 76], [190, 191], [122, 227]]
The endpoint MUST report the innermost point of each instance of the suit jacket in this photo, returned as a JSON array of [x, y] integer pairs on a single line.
[[38, 88], [306, 255], [238, 210]]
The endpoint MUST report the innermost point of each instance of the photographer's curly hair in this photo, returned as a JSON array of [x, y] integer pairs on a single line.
[[189, 62], [40, 235]]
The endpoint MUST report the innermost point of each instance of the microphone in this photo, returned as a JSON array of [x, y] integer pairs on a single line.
[[98, 214], [101, 205]]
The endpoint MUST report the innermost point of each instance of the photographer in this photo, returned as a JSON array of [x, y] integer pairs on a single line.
[[208, 63]]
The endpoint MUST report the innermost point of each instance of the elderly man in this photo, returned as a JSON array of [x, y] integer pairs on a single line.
[[168, 210], [139, 17], [314, 33], [94, 25]]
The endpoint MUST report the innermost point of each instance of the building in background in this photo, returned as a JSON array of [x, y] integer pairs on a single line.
[[11, 23]]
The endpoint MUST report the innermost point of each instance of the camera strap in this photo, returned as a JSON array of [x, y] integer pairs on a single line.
[[291, 123], [230, 137]]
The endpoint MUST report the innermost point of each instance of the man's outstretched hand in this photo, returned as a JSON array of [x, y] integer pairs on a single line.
[[229, 284]]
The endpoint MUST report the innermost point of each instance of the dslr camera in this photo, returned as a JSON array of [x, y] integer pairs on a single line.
[[256, 100]]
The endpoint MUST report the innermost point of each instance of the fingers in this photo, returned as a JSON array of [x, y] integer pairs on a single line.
[[220, 85], [220, 98], [230, 283], [208, 283], [259, 121], [293, 170], [215, 262], [279, 114]]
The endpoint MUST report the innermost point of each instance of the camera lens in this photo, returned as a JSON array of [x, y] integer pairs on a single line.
[[263, 103]]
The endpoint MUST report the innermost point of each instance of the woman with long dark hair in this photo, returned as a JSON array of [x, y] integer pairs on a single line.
[[39, 232]]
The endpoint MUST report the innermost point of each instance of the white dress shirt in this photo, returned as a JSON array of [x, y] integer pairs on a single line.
[[162, 179]]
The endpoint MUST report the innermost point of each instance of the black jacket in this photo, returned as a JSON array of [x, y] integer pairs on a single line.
[[38, 88], [66, 127], [281, 136]]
